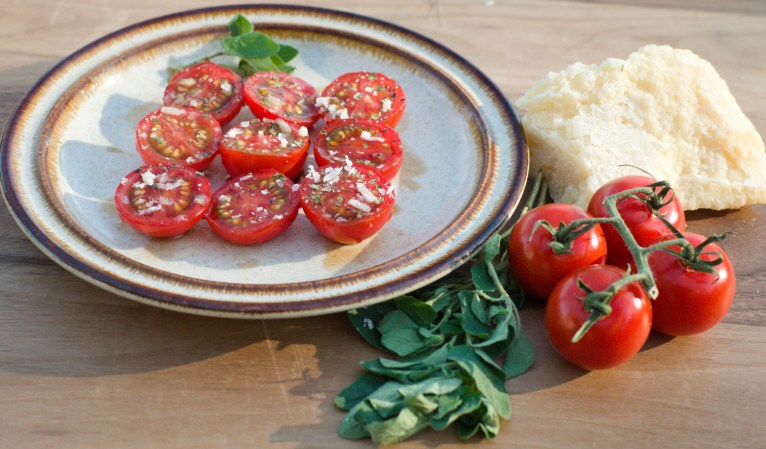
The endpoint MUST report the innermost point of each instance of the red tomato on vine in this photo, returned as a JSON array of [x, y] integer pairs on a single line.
[[637, 214], [611, 340], [538, 260], [691, 301]]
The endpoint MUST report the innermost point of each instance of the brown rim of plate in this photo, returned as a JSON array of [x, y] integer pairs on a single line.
[[422, 276]]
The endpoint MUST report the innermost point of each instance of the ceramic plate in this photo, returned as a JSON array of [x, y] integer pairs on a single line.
[[71, 141]]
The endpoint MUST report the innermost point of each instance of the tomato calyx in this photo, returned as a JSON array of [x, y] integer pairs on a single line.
[[655, 199], [694, 257], [565, 234], [597, 303]]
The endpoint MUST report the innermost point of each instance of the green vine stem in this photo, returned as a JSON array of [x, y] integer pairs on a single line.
[[598, 303]]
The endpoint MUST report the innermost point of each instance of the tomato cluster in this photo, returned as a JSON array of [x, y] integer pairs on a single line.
[[594, 268], [348, 198]]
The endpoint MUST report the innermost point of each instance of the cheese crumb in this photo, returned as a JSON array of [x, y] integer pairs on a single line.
[[170, 110], [386, 105], [148, 178], [365, 193], [331, 175], [356, 204], [313, 174], [234, 132], [366, 135]]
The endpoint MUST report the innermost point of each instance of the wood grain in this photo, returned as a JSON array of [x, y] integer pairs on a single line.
[[80, 367]]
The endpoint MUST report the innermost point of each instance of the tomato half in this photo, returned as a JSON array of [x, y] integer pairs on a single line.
[[533, 261], [612, 340], [366, 95], [162, 200], [276, 95], [182, 136], [637, 215], [207, 87], [262, 144], [690, 301], [370, 143], [347, 202], [253, 208]]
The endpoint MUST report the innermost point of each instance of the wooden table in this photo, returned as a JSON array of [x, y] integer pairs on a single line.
[[82, 368]]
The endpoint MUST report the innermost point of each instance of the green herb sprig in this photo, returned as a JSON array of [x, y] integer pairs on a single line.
[[458, 341], [253, 51]]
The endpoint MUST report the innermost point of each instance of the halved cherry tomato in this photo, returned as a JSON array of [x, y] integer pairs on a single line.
[[182, 136], [690, 301], [254, 208], [365, 95], [347, 202], [207, 87], [533, 261], [162, 200], [279, 95], [612, 340], [362, 141], [637, 215], [261, 144]]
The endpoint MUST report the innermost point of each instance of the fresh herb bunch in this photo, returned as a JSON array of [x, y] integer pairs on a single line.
[[458, 340], [254, 51]]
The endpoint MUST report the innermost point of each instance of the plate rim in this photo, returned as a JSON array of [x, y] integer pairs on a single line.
[[319, 305]]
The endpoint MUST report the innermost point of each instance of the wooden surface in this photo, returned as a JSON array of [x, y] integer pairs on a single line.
[[81, 368]]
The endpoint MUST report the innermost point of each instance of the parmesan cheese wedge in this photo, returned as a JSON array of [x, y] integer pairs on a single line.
[[663, 110]]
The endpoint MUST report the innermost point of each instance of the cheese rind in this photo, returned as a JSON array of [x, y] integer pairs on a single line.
[[662, 110]]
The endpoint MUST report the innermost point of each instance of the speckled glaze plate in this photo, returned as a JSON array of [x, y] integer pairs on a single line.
[[72, 140]]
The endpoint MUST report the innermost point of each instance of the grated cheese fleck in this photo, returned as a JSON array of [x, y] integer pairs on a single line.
[[148, 178], [386, 105], [356, 204], [170, 110], [365, 193], [366, 135]]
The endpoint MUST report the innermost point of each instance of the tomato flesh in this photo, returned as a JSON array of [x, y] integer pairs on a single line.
[[253, 208], [276, 95], [364, 95], [265, 144], [364, 142], [162, 200], [638, 217], [534, 263], [181, 136], [690, 301], [612, 340], [207, 87], [347, 202]]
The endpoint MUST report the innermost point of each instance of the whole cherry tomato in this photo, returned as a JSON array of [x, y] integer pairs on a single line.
[[690, 301], [535, 263], [637, 215], [613, 339]]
